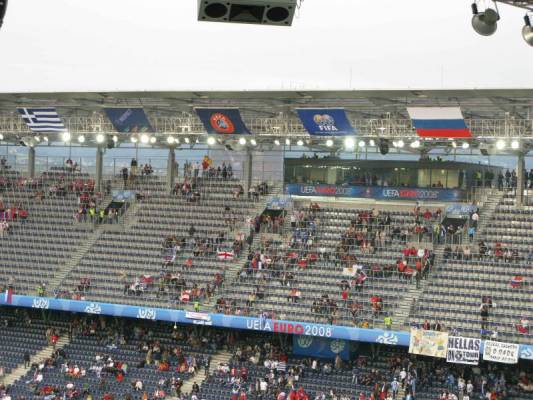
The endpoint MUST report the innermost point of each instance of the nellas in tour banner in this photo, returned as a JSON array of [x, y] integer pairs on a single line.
[[463, 350], [428, 343], [501, 352]]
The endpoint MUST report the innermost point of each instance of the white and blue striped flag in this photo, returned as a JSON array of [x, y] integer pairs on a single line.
[[42, 119]]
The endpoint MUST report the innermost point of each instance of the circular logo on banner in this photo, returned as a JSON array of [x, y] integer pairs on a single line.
[[305, 341], [324, 120], [337, 346], [221, 123]]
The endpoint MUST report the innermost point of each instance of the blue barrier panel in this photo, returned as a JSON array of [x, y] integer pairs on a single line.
[[375, 192], [396, 338]]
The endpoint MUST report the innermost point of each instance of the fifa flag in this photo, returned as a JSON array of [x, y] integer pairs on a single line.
[[129, 120], [225, 121], [325, 121], [439, 122], [42, 119]]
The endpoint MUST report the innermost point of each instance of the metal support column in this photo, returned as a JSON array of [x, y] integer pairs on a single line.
[[31, 162], [99, 187], [247, 172], [171, 169], [520, 168]]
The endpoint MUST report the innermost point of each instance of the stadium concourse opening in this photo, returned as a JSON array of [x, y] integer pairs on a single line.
[[345, 248]]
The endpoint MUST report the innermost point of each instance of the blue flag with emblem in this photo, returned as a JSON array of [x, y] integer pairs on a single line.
[[326, 121], [42, 119], [225, 121], [129, 120]]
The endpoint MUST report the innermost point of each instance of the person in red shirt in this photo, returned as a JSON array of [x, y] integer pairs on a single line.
[[243, 395], [344, 296]]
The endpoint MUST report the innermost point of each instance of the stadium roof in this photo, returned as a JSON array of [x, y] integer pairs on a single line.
[[491, 103]]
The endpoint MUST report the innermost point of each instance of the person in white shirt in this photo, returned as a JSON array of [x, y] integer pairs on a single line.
[[263, 386]]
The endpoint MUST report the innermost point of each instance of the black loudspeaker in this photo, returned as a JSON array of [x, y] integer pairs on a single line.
[[3, 8], [110, 143], [483, 151], [383, 146], [262, 12]]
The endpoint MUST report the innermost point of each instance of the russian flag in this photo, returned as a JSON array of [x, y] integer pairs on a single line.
[[9, 296], [439, 122]]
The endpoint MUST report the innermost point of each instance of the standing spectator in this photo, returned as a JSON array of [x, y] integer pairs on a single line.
[[26, 359]]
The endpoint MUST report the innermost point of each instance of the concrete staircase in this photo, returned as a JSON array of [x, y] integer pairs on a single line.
[[220, 357], [41, 356], [57, 281]]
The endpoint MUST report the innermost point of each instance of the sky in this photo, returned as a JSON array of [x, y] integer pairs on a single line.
[[135, 45]]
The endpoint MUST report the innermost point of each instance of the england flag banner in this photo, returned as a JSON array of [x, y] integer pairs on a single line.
[[325, 121], [463, 350], [42, 119], [439, 122], [506, 353]]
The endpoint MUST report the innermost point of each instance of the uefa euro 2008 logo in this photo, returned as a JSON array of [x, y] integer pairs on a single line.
[[221, 123], [325, 122]]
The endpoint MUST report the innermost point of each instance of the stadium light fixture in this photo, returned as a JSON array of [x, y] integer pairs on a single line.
[[170, 140], [484, 23], [242, 141], [465, 145], [400, 143], [66, 136], [349, 143], [300, 142], [37, 139], [115, 138], [276, 142], [500, 144], [153, 139], [45, 138], [145, 138], [187, 140], [362, 143], [515, 145], [372, 143], [81, 139], [415, 144], [100, 138], [454, 144], [287, 142], [1, 137], [133, 139], [329, 143], [527, 31], [253, 142], [211, 141]]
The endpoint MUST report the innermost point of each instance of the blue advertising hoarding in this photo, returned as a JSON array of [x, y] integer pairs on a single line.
[[129, 120], [375, 192], [310, 346], [381, 336], [326, 121], [225, 121]]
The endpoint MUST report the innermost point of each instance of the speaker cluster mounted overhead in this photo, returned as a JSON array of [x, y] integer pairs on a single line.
[[261, 12]]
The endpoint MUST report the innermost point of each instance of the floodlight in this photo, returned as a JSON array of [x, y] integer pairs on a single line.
[[253, 142], [153, 139], [500, 144], [100, 138], [170, 140], [45, 138], [187, 140], [484, 23], [527, 31], [465, 145], [66, 136], [242, 141], [372, 142], [329, 142], [415, 144], [454, 144], [145, 138], [276, 142], [362, 143], [115, 138], [37, 139], [81, 138], [287, 142], [133, 139], [300, 142], [349, 143], [515, 145], [211, 141], [1, 137], [400, 143]]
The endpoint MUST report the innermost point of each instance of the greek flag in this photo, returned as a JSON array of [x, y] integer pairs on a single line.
[[42, 119]]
